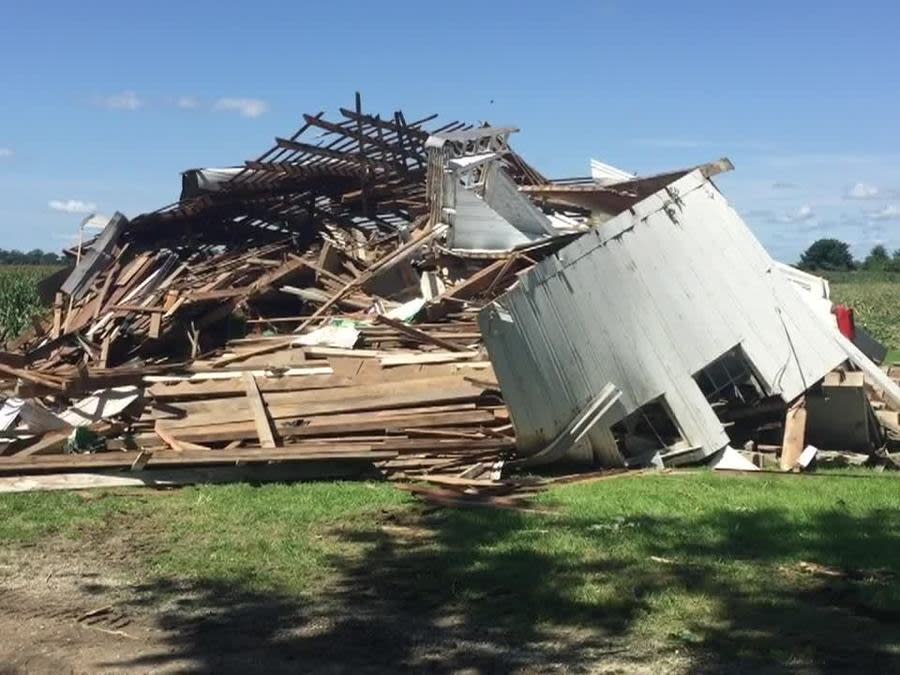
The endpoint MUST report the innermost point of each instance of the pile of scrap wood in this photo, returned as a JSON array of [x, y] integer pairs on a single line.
[[307, 307], [356, 298]]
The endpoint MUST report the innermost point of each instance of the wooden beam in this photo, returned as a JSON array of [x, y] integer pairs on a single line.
[[138, 308], [141, 460], [177, 444], [33, 377], [411, 130], [57, 316], [124, 460], [52, 442], [258, 408], [274, 346], [104, 351], [381, 145], [339, 424], [353, 162], [418, 335], [155, 326], [794, 435]]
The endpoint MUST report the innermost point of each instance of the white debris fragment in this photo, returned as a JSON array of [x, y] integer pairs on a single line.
[[732, 460]]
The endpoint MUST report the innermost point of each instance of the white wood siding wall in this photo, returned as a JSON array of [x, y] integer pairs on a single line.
[[645, 301]]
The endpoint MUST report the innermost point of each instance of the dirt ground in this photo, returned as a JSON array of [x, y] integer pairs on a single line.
[[86, 607]]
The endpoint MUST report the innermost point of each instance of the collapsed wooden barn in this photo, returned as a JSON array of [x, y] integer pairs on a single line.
[[320, 305]]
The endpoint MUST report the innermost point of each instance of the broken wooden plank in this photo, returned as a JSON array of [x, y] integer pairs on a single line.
[[281, 405], [418, 335], [265, 349], [42, 379], [124, 460], [794, 435], [260, 416], [57, 316], [49, 443], [176, 444], [234, 386], [155, 326], [141, 460], [425, 358]]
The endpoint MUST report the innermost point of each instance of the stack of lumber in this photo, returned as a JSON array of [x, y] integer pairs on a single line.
[[423, 422], [411, 400]]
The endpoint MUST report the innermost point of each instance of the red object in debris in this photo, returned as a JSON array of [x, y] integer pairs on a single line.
[[845, 321]]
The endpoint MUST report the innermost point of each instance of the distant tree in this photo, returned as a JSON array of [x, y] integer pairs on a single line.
[[34, 257], [828, 255], [48, 258], [878, 259], [894, 264]]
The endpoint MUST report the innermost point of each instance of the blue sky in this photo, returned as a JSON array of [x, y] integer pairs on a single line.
[[104, 104]]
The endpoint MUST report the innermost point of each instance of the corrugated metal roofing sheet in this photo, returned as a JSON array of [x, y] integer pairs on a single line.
[[644, 302]]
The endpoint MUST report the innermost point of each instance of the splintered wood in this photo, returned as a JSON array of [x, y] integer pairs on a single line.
[[303, 309], [794, 435], [414, 421]]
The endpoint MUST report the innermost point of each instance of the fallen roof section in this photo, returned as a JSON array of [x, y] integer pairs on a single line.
[[646, 302]]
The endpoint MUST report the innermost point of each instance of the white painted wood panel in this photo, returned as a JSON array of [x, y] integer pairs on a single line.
[[644, 302]]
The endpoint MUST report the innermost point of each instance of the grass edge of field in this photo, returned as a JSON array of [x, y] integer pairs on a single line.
[[662, 556]]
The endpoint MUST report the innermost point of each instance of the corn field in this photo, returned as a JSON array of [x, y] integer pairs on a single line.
[[876, 303], [19, 297]]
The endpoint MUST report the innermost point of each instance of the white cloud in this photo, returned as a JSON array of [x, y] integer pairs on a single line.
[[126, 100], [245, 107], [862, 191], [889, 212], [6, 152], [72, 206], [801, 215], [187, 102]]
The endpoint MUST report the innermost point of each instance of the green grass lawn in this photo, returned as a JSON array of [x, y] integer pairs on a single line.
[[779, 572], [766, 570]]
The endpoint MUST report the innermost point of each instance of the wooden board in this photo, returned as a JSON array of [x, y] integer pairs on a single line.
[[176, 391], [281, 405], [112, 460], [794, 436], [258, 409], [326, 425]]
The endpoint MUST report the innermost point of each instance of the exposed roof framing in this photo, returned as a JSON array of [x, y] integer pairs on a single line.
[[360, 168], [617, 197]]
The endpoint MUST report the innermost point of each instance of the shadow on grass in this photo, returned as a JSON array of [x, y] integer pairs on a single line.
[[478, 591]]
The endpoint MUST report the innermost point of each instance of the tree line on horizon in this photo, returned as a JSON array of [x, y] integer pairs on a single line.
[[833, 255], [33, 257]]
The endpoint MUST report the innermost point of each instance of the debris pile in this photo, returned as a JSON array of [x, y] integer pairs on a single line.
[[306, 307], [416, 299]]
